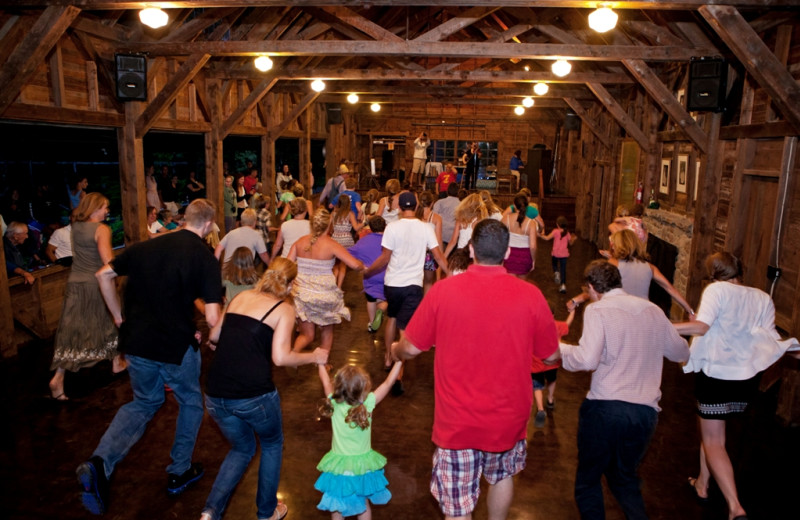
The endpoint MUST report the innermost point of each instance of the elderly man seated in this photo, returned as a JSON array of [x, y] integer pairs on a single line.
[[17, 261]]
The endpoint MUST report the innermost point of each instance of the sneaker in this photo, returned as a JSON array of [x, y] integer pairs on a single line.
[[376, 323], [397, 388], [540, 418], [550, 405], [557, 276], [280, 511], [177, 484], [94, 485], [370, 329], [562, 289]]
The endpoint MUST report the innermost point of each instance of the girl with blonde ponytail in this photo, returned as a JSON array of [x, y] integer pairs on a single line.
[[318, 300]]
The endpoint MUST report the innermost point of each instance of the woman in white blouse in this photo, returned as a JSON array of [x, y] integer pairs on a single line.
[[735, 341]]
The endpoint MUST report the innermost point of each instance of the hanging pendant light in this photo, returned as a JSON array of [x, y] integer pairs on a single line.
[[317, 85], [527, 102], [541, 89], [352, 99], [375, 107], [153, 17], [603, 19], [561, 68], [519, 110], [263, 63]]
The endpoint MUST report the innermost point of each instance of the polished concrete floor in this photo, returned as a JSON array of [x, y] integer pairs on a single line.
[[43, 441]]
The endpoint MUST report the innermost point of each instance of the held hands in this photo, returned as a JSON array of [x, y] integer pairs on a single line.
[[320, 356]]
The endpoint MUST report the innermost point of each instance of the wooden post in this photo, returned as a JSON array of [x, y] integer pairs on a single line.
[[268, 166], [131, 177], [7, 346], [705, 214], [213, 152]]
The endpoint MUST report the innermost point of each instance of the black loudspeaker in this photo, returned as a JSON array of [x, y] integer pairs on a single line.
[[538, 159], [334, 113], [572, 122], [131, 77], [708, 80]]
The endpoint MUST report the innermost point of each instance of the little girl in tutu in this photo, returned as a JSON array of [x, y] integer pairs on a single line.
[[352, 472]]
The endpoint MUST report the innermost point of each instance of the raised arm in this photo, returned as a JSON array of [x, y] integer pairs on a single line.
[[661, 280], [383, 390], [325, 378]]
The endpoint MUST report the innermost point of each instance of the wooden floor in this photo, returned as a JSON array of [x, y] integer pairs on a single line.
[[43, 441]]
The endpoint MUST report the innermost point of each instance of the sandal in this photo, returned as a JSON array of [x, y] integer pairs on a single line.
[[60, 397], [691, 481]]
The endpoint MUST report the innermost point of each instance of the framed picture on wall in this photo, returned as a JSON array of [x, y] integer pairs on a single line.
[[683, 166], [663, 186]]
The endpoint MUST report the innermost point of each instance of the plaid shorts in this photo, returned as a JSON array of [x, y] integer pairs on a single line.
[[455, 481]]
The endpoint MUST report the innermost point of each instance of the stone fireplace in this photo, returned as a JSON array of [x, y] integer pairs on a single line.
[[676, 229]]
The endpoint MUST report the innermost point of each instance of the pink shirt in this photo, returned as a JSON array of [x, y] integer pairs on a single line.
[[560, 243], [624, 340], [487, 325]]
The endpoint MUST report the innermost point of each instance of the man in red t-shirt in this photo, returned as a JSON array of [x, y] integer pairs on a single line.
[[482, 383], [447, 177]]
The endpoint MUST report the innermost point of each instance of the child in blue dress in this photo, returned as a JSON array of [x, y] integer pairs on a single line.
[[352, 472]]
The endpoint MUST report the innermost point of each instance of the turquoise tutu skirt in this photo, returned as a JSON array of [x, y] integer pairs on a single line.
[[347, 494]]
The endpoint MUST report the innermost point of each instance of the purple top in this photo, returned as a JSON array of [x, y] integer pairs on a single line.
[[368, 249]]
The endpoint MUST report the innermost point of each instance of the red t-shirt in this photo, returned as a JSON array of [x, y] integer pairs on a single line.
[[562, 329], [487, 325], [250, 184], [445, 179]]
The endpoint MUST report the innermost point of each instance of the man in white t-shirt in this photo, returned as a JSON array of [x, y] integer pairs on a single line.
[[60, 244], [244, 236], [421, 145], [404, 244]]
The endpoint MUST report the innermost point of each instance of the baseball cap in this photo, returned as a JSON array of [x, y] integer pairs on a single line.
[[408, 200]]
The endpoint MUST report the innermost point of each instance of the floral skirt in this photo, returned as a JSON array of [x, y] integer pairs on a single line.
[[317, 299], [86, 333]]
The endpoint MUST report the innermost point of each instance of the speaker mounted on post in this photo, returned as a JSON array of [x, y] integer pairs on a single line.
[[572, 121], [708, 81], [131, 70], [334, 113]]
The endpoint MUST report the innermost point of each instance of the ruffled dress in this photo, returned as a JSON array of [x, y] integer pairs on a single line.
[[316, 297], [352, 472]]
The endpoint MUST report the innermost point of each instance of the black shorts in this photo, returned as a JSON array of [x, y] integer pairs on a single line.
[[370, 299], [403, 301], [541, 378], [720, 398]]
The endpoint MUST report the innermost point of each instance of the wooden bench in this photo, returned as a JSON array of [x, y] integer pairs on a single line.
[[37, 307]]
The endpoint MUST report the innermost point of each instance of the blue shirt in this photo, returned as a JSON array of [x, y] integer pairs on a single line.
[[354, 198], [515, 163]]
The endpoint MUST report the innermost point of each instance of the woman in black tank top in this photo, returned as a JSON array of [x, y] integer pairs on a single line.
[[256, 331]]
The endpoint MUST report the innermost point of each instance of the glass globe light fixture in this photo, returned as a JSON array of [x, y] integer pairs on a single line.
[[603, 19], [527, 102], [317, 85], [375, 107], [263, 63], [541, 89], [352, 99], [561, 68], [519, 110], [153, 17]]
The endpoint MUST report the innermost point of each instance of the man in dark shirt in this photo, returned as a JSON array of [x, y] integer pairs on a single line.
[[160, 347], [16, 261]]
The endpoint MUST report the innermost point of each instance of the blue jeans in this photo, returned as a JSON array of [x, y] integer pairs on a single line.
[[147, 382], [241, 421], [560, 265], [613, 437]]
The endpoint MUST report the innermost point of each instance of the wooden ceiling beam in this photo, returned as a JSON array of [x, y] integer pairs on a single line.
[[442, 90], [625, 4], [434, 74], [193, 28], [167, 95], [757, 58], [444, 100], [405, 49], [246, 105], [667, 101], [457, 23], [656, 34], [84, 43], [299, 108], [589, 121], [619, 114], [101, 30], [32, 50], [350, 17]]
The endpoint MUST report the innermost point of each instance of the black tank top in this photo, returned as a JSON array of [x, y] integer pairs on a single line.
[[242, 366]]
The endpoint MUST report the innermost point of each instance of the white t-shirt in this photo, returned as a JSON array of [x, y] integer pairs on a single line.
[[408, 239], [244, 236], [420, 148], [61, 239], [292, 230], [155, 226]]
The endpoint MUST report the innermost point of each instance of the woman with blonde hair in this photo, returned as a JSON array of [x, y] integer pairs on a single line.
[[389, 206], [86, 333], [318, 300], [469, 212], [255, 331], [629, 256], [492, 209]]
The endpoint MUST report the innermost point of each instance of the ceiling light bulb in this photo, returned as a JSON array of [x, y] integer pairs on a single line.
[[375, 107], [317, 85], [541, 89], [352, 99], [527, 68], [527, 102], [561, 68], [153, 17], [519, 110], [263, 63], [603, 20]]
